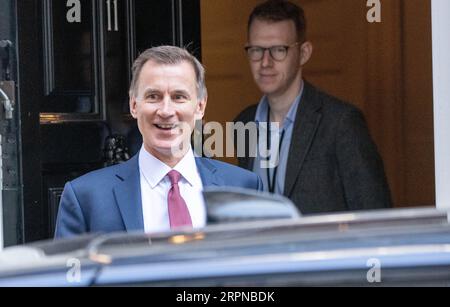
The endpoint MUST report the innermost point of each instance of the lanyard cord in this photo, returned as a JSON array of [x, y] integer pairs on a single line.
[[272, 180]]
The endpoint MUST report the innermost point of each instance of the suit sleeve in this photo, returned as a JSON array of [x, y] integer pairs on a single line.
[[360, 165], [70, 221]]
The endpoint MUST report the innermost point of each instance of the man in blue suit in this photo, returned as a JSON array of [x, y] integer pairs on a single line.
[[159, 189]]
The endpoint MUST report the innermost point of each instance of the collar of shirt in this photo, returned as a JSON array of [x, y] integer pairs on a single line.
[[155, 170], [263, 109]]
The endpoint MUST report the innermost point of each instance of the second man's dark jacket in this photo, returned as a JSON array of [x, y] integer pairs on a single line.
[[333, 164]]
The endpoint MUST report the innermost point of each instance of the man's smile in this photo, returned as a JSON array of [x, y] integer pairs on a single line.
[[166, 127]]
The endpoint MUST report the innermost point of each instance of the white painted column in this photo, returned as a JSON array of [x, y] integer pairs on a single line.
[[441, 82]]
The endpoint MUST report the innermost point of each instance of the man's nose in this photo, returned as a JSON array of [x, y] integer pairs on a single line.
[[167, 108], [266, 59]]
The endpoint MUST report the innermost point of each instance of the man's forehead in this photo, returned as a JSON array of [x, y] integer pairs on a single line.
[[153, 64], [161, 77], [267, 29], [182, 71], [273, 23], [160, 87]]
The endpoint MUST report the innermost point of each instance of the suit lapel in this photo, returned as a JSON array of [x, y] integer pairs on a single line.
[[207, 173], [128, 191], [250, 144], [248, 162], [128, 195], [305, 126]]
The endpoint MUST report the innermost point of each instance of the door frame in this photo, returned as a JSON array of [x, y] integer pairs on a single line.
[[441, 79]]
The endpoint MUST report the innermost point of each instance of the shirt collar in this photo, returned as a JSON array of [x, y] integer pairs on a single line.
[[188, 168], [263, 109], [155, 170]]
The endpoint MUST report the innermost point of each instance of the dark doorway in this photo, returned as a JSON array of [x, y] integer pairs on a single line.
[[74, 71]]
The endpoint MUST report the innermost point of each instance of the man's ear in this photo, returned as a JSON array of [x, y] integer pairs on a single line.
[[306, 50], [201, 108], [133, 103]]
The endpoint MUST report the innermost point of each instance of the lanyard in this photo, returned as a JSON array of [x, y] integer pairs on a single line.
[[272, 180]]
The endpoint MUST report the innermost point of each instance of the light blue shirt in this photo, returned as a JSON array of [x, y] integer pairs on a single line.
[[261, 157]]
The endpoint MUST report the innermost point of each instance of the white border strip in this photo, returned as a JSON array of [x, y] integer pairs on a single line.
[[440, 15]]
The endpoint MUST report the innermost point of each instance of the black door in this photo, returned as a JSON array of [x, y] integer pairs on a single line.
[[74, 59]]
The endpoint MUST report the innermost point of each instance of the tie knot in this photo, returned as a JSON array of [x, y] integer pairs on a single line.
[[174, 177]]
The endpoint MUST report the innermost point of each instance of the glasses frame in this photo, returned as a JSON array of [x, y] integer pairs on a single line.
[[286, 47]]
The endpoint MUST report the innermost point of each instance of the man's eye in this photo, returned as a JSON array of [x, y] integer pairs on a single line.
[[278, 49], [179, 98], [151, 97], [255, 50]]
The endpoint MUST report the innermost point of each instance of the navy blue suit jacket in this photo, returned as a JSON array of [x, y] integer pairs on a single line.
[[109, 200]]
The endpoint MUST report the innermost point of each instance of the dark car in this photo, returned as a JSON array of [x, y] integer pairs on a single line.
[[407, 247]]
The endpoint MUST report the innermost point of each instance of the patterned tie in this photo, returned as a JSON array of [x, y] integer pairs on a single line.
[[178, 211]]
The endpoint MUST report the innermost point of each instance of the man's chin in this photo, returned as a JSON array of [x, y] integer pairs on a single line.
[[267, 89], [172, 150]]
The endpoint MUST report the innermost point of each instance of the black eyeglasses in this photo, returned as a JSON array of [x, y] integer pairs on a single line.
[[278, 53]]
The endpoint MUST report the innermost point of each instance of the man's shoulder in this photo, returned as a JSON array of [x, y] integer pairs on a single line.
[[107, 174], [247, 115], [224, 167], [329, 103]]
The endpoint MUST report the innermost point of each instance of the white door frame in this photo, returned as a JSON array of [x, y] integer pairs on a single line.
[[440, 17]]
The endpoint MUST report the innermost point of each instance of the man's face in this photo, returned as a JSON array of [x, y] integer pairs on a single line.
[[166, 106], [274, 78]]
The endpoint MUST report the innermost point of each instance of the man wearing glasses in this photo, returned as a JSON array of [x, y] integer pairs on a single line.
[[326, 159]]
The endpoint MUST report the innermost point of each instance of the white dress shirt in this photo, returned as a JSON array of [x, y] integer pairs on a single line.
[[155, 186]]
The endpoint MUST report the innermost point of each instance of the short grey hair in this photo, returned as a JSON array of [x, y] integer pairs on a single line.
[[168, 55]]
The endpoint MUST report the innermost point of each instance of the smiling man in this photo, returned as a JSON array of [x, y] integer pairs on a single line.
[[327, 159], [160, 188]]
